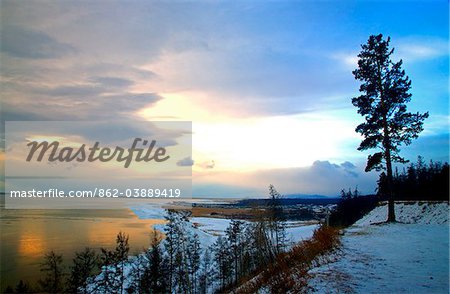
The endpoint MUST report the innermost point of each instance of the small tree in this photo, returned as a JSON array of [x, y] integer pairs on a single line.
[[234, 235], [223, 260], [121, 256], [207, 272], [112, 264], [181, 252], [385, 92], [107, 280], [277, 219], [193, 255], [21, 287], [53, 269], [84, 265], [156, 270]]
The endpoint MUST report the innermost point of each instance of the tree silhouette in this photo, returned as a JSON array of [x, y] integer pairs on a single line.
[[85, 264], [385, 92], [53, 270], [277, 220]]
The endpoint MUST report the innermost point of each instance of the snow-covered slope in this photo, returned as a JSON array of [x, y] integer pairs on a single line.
[[214, 227], [408, 257], [410, 213]]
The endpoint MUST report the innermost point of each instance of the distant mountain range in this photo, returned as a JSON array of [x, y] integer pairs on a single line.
[[307, 196]]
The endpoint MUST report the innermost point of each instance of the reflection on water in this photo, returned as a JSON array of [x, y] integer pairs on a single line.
[[30, 244], [26, 235]]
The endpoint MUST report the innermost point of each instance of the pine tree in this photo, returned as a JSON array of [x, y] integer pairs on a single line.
[[235, 241], [264, 247], [107, 280], [152, 272], [84, 265], [193, 258], [249, 261], [171, 245], [112, 265], [206, 272], [53, 269], [419, 181], [121, 256], [385, 92], [181, 252], [139, 274], [277, 220], [223, 261]]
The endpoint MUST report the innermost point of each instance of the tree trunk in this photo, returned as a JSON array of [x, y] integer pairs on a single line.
[[391, 205], [387, 154], [387, 157]]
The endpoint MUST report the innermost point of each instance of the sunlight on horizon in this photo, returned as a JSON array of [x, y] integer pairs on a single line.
[[255, 143]]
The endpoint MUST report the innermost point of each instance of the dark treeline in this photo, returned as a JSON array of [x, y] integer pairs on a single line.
[[287, 201], [55, 278], [352, 207], [419, 181]]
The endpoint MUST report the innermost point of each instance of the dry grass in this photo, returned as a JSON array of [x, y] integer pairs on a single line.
[[216, 212], [289, 272]]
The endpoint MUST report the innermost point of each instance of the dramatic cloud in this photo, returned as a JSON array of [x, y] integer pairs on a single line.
[[27, 43], [252, 67], [323, 177], [112, 82], [185, 162], [267, 85]]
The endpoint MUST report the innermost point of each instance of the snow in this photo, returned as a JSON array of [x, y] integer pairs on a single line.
[[209, 228], [410, 213], [300, 233], [409, 257], [149, 211], [295, 231], [206, 239], [213, 226]]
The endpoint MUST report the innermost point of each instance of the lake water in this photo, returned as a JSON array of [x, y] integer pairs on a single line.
[[26, 235]]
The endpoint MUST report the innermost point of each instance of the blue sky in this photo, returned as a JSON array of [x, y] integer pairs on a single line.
[[267, 85]]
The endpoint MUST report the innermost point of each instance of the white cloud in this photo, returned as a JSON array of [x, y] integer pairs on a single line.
[[420, 48], [322, 177], [410, 49], [348, 60]]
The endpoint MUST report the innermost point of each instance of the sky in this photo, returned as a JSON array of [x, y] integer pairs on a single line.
[[266, 85]]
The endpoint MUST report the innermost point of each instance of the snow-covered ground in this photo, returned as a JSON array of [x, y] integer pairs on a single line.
[[209, 229], [410, 213], [148, 211], [299, 233], [408, 257], [295, 231], [213, 226]]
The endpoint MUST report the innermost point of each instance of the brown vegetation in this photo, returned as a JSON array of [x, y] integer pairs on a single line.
[[289, 272], [215, 212]]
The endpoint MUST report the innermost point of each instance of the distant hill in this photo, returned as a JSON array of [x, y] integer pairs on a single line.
[[290, 201], [306, 196]]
